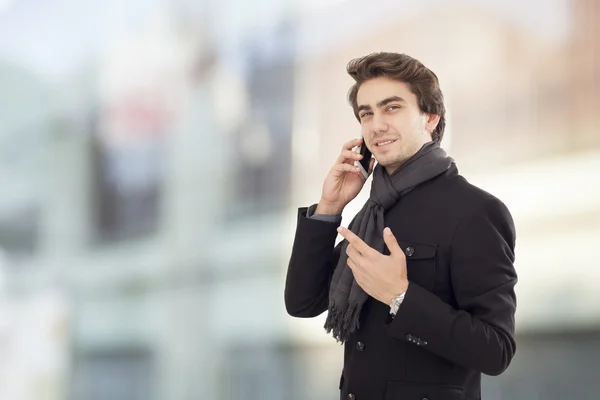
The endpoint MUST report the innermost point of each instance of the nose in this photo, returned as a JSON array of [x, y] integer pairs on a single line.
[[379, 124]]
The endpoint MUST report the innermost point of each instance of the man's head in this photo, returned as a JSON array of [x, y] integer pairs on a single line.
[[396, 99]]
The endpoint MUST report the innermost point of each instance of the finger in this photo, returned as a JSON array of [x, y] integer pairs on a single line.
[[353, 253], [353, 266], [348, 156], [356, 272], [346, 168], [392, 243], [351, 144], [361, 275], [355, 241]]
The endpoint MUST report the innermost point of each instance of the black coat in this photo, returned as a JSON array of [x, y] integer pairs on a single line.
[[457, 319]]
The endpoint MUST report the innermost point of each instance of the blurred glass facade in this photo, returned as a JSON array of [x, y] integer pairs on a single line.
[[153, 155]]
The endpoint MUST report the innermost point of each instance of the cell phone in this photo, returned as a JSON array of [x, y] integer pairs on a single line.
[[364, 163]]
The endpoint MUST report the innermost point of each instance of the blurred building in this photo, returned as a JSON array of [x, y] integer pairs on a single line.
[[584, 77]]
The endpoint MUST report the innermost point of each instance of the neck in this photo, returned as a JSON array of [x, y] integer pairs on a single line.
[[391, 168]]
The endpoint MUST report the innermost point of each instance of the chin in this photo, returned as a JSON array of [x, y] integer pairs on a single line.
[[388, 159], [396, 160]]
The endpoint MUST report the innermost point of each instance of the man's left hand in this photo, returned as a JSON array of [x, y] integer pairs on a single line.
[[382, 277]]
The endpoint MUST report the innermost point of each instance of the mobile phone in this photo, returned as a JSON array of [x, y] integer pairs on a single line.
[[364, 163]]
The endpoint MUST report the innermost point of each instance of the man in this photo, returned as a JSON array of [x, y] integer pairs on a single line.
[[421, 291]]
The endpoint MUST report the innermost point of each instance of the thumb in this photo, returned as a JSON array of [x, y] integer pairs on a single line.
[[391, 242]]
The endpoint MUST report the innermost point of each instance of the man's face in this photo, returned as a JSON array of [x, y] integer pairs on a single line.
[[393, 126]]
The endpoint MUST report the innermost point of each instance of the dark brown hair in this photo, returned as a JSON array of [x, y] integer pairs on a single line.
[[421, 80]]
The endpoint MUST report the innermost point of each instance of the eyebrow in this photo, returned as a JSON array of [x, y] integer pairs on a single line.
[[381, 103]]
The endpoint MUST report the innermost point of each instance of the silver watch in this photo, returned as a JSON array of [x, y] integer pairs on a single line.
[[395, 305]]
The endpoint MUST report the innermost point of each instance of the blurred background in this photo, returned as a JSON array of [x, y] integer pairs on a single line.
[[153, 155]]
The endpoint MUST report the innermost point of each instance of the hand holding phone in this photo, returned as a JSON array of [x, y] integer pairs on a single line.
[[346, 178]]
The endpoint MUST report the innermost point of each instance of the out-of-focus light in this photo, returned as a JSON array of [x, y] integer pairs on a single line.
[[542, 189], [305, 145], [5, 4], [256, 146], [231, 99], [315, 5], [3, 267]]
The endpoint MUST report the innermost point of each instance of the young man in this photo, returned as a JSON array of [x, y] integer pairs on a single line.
[[421, 291]]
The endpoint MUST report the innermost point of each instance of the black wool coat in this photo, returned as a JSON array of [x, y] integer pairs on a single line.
[[457, 320]]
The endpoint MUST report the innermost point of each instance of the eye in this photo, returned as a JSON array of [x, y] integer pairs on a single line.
[[361, 116], [391, 108]]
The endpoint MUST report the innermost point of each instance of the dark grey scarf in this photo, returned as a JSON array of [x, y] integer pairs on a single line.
[[346, 298]]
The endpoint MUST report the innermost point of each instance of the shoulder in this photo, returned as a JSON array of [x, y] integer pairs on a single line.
[[457, 190], [478, 208]]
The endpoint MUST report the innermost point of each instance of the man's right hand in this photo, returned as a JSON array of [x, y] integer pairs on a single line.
[[343, 182]]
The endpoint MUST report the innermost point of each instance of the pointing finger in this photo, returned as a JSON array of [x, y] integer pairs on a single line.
[[354, 240]]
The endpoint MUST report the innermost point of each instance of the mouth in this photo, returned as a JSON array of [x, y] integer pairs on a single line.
[[384, 143]]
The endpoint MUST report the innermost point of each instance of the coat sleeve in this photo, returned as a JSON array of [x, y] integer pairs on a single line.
[[313, 259], [479, 334]]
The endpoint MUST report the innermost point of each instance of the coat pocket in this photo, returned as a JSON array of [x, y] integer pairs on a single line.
[[418, 391], [420, 263]]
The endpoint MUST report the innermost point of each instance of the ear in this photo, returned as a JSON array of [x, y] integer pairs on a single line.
[[432, 122]]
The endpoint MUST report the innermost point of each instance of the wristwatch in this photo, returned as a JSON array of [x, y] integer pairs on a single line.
[[395, 305]]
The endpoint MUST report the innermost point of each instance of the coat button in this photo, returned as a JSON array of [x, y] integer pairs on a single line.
[[424, 398], [409, 337], [410, 251], [360, 346], [351, 396], [419, 342]]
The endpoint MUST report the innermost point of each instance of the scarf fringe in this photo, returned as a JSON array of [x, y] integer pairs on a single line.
[[342, 323]]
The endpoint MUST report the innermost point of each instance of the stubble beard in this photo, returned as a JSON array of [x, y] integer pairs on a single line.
[[397, 160]]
